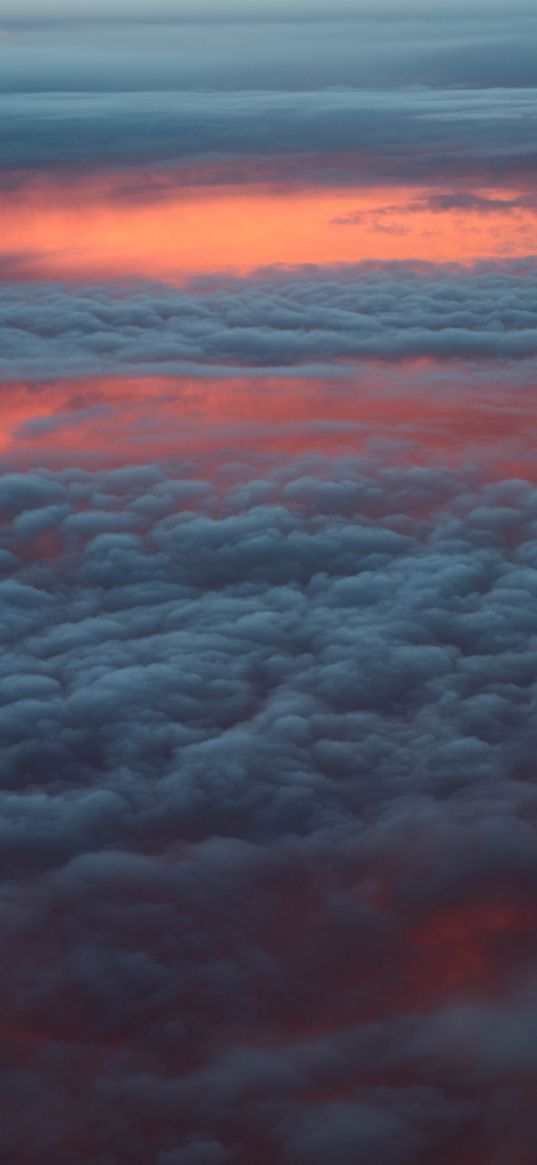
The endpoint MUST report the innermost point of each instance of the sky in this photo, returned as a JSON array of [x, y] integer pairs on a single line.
[[268, 579]]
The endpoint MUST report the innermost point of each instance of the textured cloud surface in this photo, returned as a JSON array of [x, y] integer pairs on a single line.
[[268, 582], [390, 312], [268, 815]]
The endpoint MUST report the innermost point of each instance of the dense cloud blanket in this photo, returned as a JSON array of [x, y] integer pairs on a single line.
[[268, 582], [268, 815]]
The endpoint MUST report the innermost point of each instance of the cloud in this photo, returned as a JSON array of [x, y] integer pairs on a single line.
[[325, 137], [231, 46], [273, 320], [463, 200], [268, 722], [280, 319], [267, 814], [53, 11]]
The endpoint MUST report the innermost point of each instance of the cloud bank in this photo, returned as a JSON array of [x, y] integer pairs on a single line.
[[272, 320], [251, 729], [232, 46], [411, 135]]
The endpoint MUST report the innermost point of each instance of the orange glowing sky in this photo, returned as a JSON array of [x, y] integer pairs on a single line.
[[87, 230]]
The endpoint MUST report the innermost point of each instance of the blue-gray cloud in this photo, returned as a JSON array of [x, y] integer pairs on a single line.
[[419, 136], [267, 815], [59, 47], [274, 320]]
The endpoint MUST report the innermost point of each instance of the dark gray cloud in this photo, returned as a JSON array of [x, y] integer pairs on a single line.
[[409, 136], [273, 320], [457, 200], [267, 818]]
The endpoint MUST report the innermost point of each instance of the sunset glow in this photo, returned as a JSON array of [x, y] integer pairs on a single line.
[[86, 231], [130, 420]]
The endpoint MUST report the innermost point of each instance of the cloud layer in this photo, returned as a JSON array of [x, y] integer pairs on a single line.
[[268, 715], [232, 46], [267, 816], [419, 135], [387, 312]]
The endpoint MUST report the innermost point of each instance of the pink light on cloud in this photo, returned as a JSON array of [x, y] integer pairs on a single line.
[[120, 419]]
